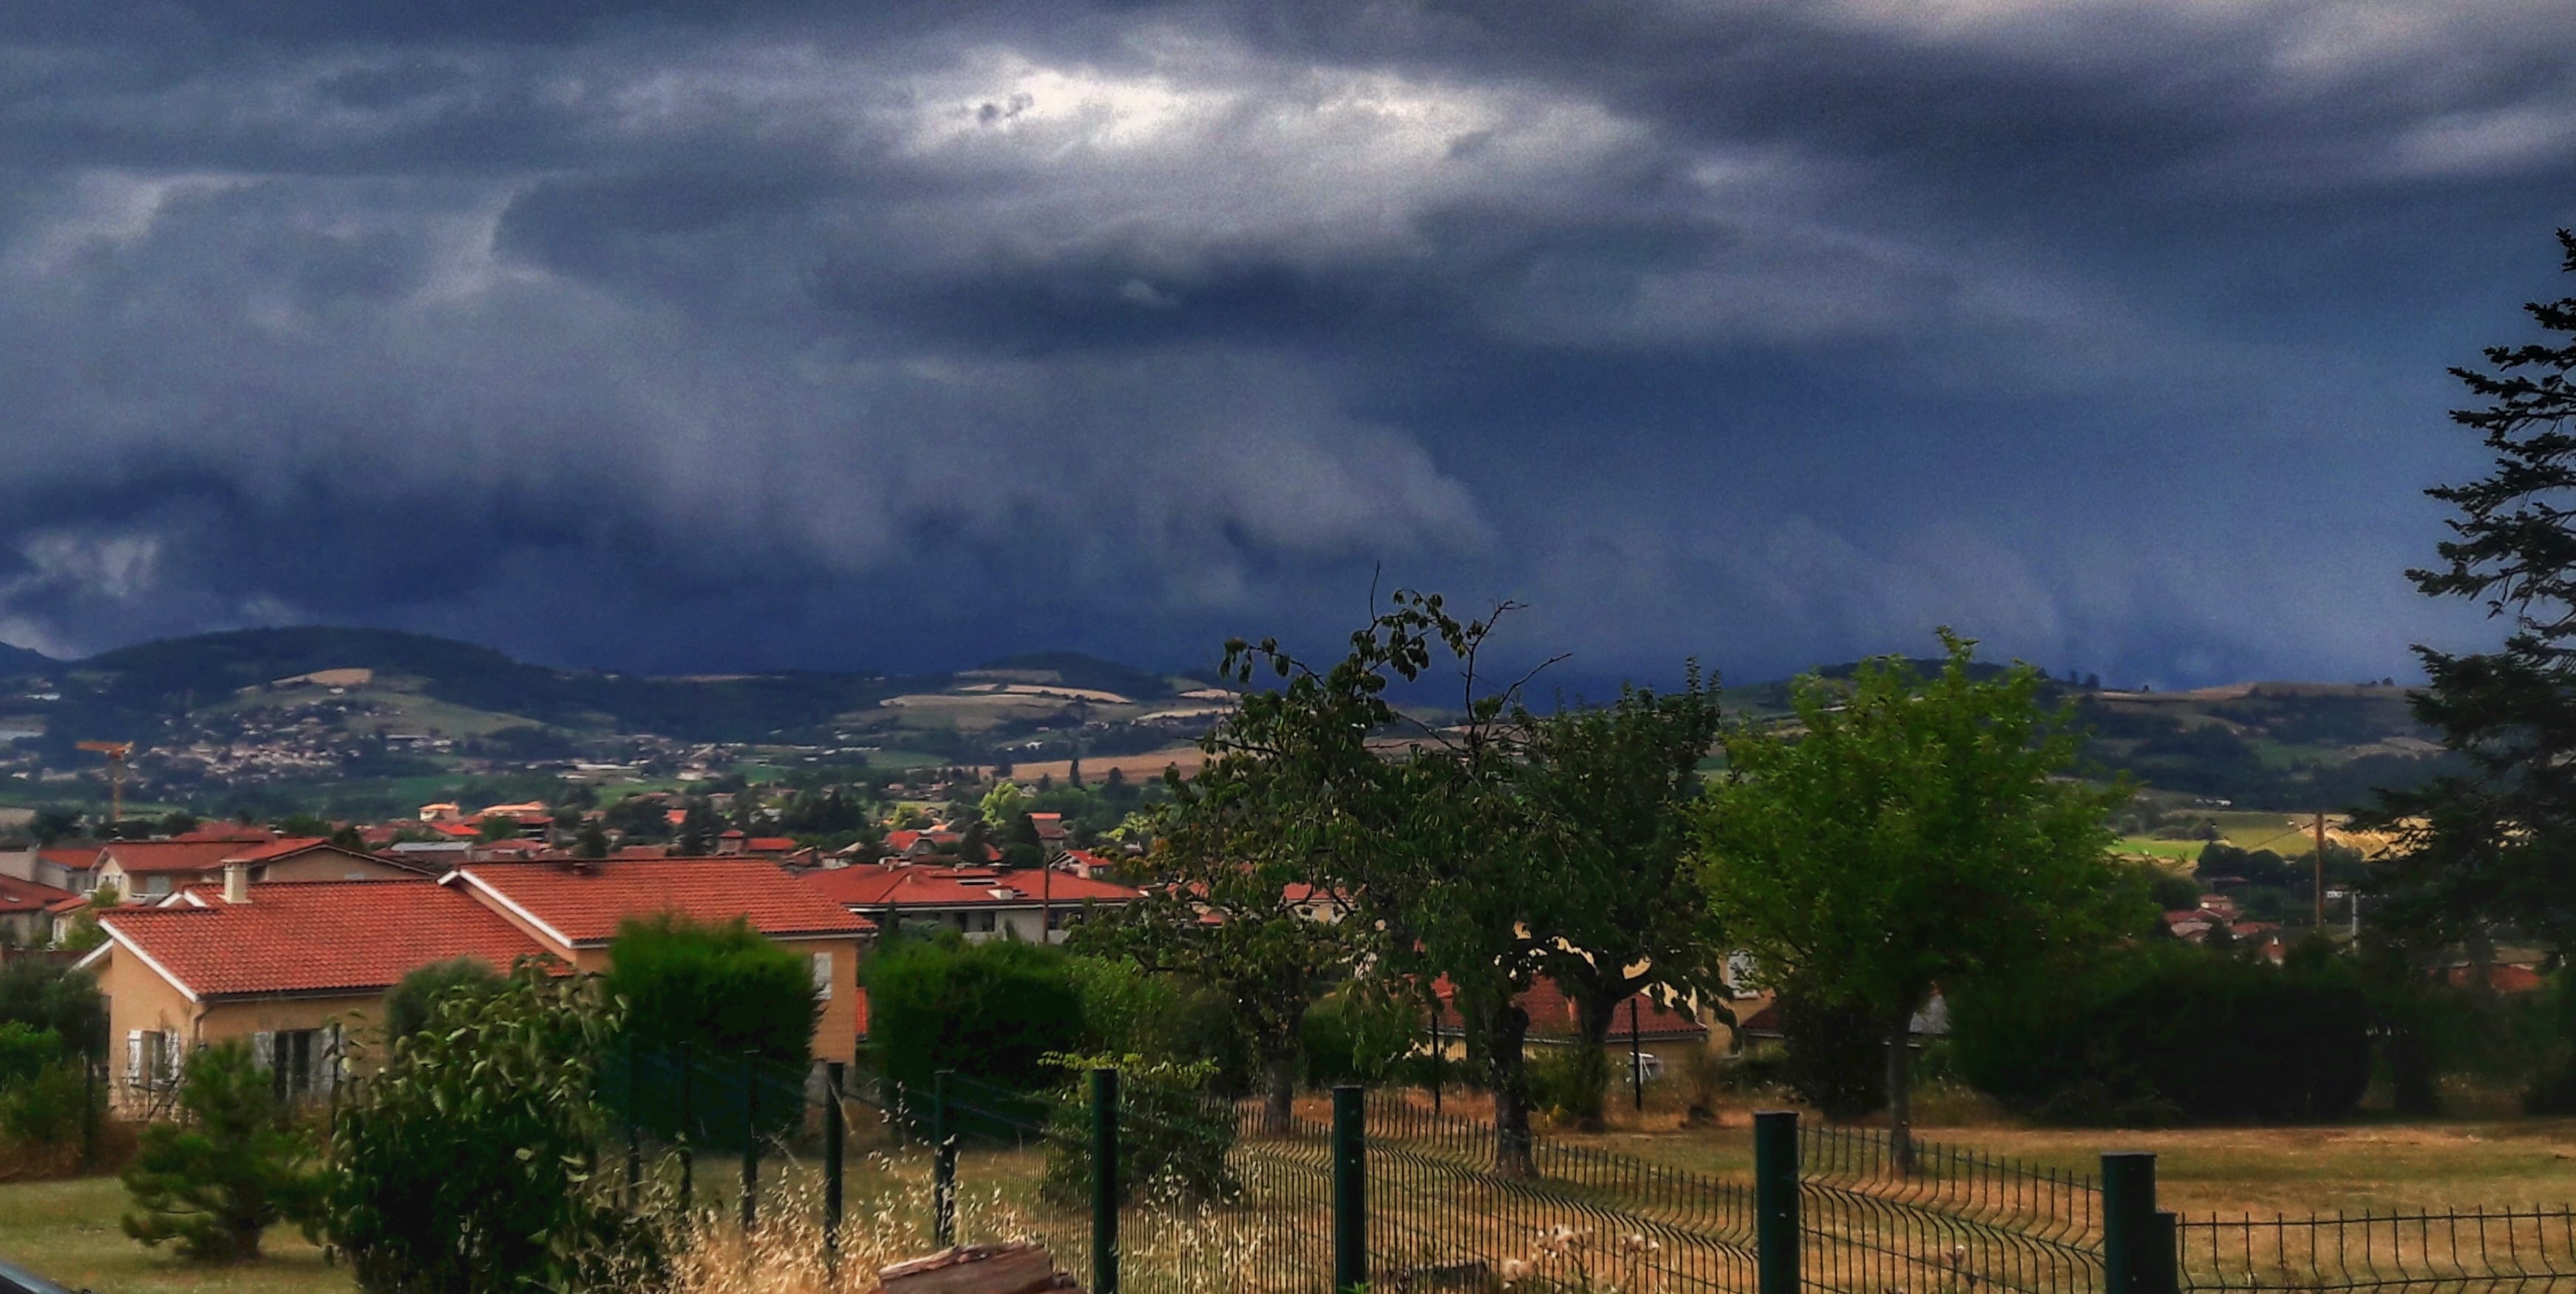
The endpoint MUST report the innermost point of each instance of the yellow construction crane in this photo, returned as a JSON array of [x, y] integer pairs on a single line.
[[116, 751]]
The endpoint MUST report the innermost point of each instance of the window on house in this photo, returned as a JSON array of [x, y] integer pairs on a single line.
[[151, 1059], [822, 964], [296, 1059], [155, 886]]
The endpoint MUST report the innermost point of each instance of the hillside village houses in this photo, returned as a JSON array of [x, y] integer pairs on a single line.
[[1034, 904], [294, 968]]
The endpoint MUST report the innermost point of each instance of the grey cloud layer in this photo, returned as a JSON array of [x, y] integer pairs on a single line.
[[1765, 333]]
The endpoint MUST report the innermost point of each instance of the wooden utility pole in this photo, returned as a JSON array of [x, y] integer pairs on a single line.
[[2321, 872]]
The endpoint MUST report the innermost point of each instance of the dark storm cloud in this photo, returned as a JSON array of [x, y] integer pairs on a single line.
[[706, 336]]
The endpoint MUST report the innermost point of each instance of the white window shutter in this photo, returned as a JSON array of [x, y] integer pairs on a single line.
[[133, 1056], [263, 1050], [329, 1061], [822, 963]]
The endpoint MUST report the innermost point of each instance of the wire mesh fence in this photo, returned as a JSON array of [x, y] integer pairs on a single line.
[[1454, 1203], [1951, 1219], [1152, 1189], [2473, 1252]]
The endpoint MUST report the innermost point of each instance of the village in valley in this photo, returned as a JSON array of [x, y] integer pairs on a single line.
[[1219, 647]]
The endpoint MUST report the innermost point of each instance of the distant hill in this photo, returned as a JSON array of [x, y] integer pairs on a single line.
[[1073, 669], [136, 689], [2290, 746], [461, 688], [16, 662]]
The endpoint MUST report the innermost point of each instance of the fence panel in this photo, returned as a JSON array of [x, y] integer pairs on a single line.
[[2473, 1252], [1441, 1215], [1957, 1220]]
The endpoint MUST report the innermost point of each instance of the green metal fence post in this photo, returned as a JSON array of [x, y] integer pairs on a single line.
[[2162, 1271], [1104, 1181], [1350, 1189], [750, 1139], [688, 1152], [1775, 1201], [2128, 1217], [832, 1134], [943, 1165]]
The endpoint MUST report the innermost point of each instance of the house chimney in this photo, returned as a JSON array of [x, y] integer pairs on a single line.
[[236, 882]]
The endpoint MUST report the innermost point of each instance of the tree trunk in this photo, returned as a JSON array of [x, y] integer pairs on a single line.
[[1900, 1096], [1279, 1090], [1506, 1033], [1593, 1015]]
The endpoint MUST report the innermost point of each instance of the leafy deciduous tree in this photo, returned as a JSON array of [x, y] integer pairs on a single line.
[[1618, 787], [462, 1169], [1908, 832]]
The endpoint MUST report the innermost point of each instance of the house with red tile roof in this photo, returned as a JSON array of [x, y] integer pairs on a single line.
[[1642, 1025], [290, 967], [979, 902], [25, 921], [574, 907], [144, 870], [67, 865]]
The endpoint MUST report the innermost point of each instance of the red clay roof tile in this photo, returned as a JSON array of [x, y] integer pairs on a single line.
[[585, 904], [315, 937]]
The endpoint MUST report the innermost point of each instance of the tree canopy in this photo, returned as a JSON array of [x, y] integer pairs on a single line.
[[1907, 832]]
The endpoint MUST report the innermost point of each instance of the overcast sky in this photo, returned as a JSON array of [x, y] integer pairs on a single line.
[[757, 334]]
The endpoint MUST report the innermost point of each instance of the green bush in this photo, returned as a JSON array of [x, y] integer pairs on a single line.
[[44, 994], [1352, 1038], [43, 1109], [992, 1011], [26, 1051], [461, 1167], [1834, 1057], [408, 1005], [721, 990], [1567, 1081], [2162, 1030], [738, 1007], [1173, 1137], [1129, 1011], [237, 1165]]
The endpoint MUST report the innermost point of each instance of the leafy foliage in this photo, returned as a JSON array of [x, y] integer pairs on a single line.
[[1173, 1139], [995, 1010], [722, 990], [409, 1003], [1833, 1055], [461, 1168], [1618, 785], [2489, 844], [238, 1164], [1236, 850], [44, 994], [2161, 1030], [1913, 832]]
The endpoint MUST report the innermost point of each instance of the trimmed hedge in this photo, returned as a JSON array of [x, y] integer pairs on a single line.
[[2164, 1031]]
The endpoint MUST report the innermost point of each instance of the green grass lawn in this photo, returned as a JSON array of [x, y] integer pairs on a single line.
[[67, 1231], [2181, 851]]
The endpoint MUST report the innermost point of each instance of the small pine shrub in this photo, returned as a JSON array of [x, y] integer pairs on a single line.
[[238, 1164]]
